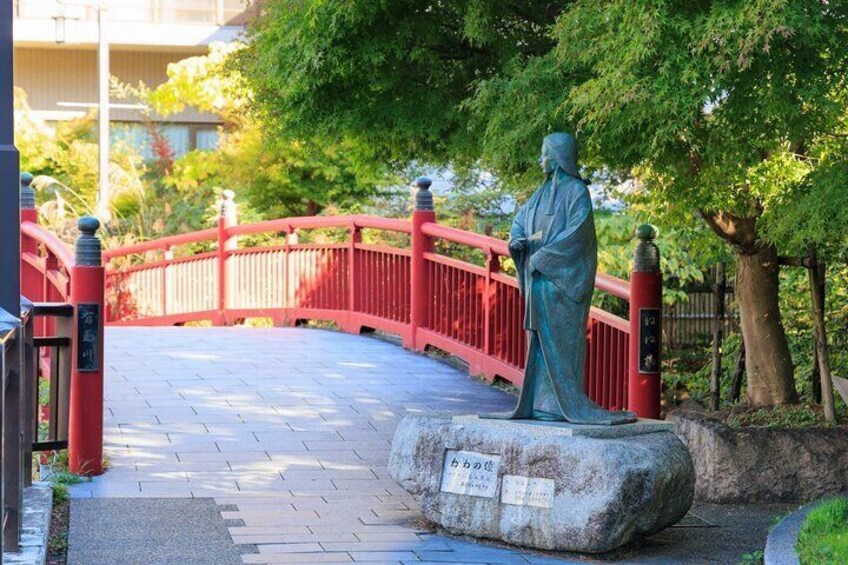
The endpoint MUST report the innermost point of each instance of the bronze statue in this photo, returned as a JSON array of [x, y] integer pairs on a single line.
[[553, 243]]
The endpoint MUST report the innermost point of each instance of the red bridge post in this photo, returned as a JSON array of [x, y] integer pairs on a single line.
[[353, 277], [29, 213], [226, 219], [85, 426], [31, 286], [644, 388], [420, 293]]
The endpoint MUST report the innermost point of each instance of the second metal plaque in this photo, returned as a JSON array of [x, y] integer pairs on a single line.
[[527, 491]]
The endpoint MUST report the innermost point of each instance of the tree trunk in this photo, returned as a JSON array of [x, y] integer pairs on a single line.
[[738, 374], [767, 360], [312, 208], [817, 276], [719, 289]]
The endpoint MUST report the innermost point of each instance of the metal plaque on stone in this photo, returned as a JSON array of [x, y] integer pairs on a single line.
[[527, 491], [470, 473]]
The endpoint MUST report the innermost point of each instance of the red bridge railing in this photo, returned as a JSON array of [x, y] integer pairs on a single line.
[[66, 292], [409, 288]]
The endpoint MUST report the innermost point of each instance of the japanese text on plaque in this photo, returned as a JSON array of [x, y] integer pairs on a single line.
[[470, 473]]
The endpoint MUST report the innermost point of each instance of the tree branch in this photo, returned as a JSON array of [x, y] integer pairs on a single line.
[[738, 230]]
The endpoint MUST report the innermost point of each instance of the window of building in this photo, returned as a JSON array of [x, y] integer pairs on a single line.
[[207, 139], [181, 138]]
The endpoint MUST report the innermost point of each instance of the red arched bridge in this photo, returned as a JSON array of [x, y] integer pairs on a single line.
[[432, 285]]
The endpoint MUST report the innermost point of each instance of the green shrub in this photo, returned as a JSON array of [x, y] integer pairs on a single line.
[[60, 493], [823, 539]]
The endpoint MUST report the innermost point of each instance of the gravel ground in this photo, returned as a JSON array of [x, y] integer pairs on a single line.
[[149, 531]]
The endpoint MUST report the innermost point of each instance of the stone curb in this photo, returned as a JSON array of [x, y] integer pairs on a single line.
[[780, 544], [37, 511]]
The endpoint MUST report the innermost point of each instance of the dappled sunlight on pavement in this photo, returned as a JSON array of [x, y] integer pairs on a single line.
[[289, 430]]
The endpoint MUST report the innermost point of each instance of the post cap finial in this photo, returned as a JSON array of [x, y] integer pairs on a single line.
[[87, 248], [227, 206], [646, 258], [647, 232], [423, 196], [27, 192], [88, 225]]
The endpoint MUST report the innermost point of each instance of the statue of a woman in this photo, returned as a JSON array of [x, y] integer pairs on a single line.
[[553, 243]]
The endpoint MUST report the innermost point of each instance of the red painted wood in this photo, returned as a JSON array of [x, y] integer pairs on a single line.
[[50, 241], [51, 275], [644, 389], [429, 299], [162, 243], [420, 291]]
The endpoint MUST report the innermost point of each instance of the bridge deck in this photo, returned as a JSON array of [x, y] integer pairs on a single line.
[[289, 431]]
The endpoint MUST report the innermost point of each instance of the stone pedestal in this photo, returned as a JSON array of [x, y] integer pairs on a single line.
[[548, 486]]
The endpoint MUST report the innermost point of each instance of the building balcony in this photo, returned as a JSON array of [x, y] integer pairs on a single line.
[[132, 24]]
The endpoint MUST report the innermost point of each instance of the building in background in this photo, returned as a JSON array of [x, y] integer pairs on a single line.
[[56, 58]]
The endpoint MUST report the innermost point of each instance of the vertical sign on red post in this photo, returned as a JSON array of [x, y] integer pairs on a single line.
[[85, 426], [421, 244], [644, 387]]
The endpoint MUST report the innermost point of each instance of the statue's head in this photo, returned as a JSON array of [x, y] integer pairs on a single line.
[[559, 150]]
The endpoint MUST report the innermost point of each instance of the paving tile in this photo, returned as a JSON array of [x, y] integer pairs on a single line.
[[295, 436], [383, 556], [290, 548], [286, 558], [277, 538], [241, 456]]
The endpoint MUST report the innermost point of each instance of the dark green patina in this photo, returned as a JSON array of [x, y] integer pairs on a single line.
[[553, 243]]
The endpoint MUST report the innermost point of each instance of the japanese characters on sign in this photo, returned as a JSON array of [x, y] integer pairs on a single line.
[[649, 340], [88, 323], [470, 473], [527, 491]]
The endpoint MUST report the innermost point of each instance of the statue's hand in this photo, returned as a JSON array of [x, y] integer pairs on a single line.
[[518, 244]]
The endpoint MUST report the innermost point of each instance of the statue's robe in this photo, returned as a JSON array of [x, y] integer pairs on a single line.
[[556, 275]]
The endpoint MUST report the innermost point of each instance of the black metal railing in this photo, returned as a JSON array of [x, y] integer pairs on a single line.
[[12, 339], [27, 363], [53, 372]]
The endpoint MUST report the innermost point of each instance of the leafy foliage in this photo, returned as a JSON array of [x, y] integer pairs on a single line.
[[278, 175], [391, 76], [731, 105], [64, 160], [735, 108], [823, 538], [730, 111]]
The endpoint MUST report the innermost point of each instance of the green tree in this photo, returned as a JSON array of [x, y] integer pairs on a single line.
[[63, 159], [733, 111], [279, 175], [396, 76]]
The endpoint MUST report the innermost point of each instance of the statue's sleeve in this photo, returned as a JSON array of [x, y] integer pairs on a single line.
[[570, 259], [519, 257]]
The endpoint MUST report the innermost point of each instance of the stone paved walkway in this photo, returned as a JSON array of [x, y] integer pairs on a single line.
[[289, 431]]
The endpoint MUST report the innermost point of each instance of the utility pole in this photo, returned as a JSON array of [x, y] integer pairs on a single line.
[[102, 208], [10, 221]]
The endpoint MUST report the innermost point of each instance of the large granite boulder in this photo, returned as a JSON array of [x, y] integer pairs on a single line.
[[754, 464], [548, 486]]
